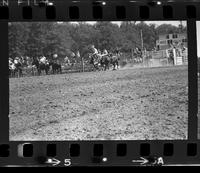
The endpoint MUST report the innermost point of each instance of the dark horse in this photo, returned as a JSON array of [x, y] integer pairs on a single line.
[[114, 60], [41, 66], [56, 68], [105, 62]]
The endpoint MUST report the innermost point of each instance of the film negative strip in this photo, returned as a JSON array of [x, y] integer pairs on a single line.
[[99, 83]]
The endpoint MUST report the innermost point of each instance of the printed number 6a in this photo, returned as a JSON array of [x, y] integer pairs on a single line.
[[67, 162]]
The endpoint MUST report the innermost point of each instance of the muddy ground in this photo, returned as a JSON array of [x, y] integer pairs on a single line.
[[127, 104]]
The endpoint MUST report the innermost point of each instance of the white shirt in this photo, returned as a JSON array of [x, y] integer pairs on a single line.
[[10, 61], [16, 61], [105, 52], [95, 51], [43, 60]]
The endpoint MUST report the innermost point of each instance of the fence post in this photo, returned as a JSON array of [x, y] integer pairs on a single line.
[[83, 67]]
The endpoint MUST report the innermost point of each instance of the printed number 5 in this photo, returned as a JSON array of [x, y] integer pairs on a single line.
[[67, 162]]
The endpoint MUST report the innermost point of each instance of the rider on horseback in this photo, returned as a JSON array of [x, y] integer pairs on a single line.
[[105, 60], [105, 53], [94, 55], [11, 65], [43, 60], [10, 62], [16, 60], [16, 66], [94, 51]]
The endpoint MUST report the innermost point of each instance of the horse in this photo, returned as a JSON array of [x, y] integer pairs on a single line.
[[56, 68], [12, 69], [41, 66], [105, 62], [30, 67], [114, 60], [19, 68], [95, 61], [15, 68]]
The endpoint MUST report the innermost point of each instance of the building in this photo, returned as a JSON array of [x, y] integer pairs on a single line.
[[170, 49], [166, 41]]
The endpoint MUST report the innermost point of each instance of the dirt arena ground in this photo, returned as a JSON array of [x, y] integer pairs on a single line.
[[127, 104]]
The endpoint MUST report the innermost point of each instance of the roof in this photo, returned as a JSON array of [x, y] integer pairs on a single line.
[[182, 33]]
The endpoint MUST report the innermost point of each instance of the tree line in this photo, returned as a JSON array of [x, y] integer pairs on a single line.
[[36, 39]]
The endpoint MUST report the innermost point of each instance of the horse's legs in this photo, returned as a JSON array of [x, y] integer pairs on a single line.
[[105, 66], [114, 66], [21, 74], [15, 75], [32, 70], [12, 73], [117, 65], [18, 73], [48, 68], [38, 71], [94, 67]]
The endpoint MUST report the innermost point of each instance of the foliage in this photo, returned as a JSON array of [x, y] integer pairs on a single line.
[[47, 38]]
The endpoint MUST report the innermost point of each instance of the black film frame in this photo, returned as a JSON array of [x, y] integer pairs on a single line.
[[92, 153]]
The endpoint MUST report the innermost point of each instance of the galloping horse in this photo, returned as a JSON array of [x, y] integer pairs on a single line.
[[105, 62], [95, 61]]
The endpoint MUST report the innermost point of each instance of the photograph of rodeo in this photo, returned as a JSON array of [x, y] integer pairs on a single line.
[[125, 80]]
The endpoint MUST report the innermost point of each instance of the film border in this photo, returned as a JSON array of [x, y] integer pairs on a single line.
[[132, 12]]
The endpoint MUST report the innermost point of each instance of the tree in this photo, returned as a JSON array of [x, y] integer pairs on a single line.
[[65, 39], [131, 36], [167, 29], [17, 38], [109, 35], [36, 41], [47, 38], [149, 35], [83, 35]]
